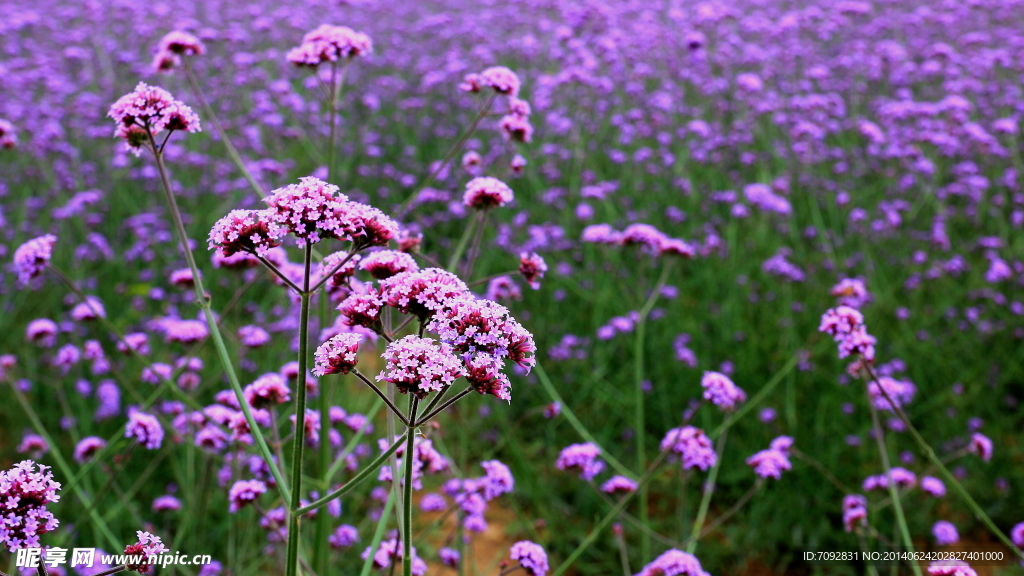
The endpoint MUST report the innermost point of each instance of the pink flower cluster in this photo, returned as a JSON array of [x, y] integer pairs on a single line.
[[391, 550], [721, 391], [646, 236], [337, 355], [484, 193], [846, 326], [24, 494], [329, 43], [8, 138], [313, 210], [173, 46], [147, 549], [247, 231], [32, 258], [532, 267], [244, 492], [420, 366], [148, 111], [855, 511], [851, 292]]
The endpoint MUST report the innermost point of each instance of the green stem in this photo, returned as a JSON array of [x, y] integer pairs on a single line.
[[407, 511], [208, 111], [211, 323], [63, 465], [352, 443], [448, 157], [901, 520], [937, 462], [639, 423], [460, 248], [356, 480], [709, 490], [299, 436], [378, 534], [577, 425]]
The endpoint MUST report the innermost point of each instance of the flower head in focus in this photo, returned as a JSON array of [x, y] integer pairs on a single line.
[[24, 494], [148, 111]]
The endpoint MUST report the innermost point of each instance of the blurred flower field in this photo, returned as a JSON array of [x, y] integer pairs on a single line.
[[490, 288]]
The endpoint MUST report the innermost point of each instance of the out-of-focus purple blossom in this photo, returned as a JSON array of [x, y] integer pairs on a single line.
[[945, 533], [344, 536], [692, 445], [721, 391], [32, 258], [855, 511], [674, 562], [145, 428], [531, 557], [582, 458], [618, 485], [244, 492]]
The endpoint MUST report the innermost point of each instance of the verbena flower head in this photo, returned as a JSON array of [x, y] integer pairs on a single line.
[[449, 557], [769, 463], [676, 563], [91, 309], [338, 355], [42, 331], [390, 551], [692, 445], [419, 366], [485, 192], [885, 389], [497, 480], [24, 494], [516, 128], [483, 372], [87, 448], [618, 485], [473, 326], [1017, 535], [361, 310], [369, 226], [855, 511], [950, 568], [32, 258], [945, 533], [933, 486], [980, 445], [182, 43], [721, 391], [388, 263], [345, 536], [244, 492], [582, 458], [248, 231], [851, 292], [342, 275], [501, 79], [421, 293], [532, 267], [531, 557], [148, 111], [782, 444], [147, 550], [846, 326], [8, 136], [329, 43], [311, 210], [145, 428], [268, 390]]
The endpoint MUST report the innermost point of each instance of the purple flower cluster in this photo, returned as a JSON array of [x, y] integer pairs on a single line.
[[582, 458], [720, 391], [646, 236], [855, 511], [531, 557], [329, 43], [692, 445], [32, 258], [391, 551], [675, 562], [846, 326]]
